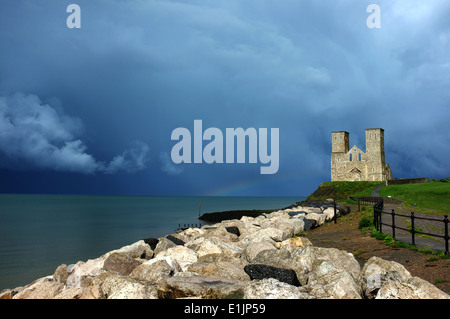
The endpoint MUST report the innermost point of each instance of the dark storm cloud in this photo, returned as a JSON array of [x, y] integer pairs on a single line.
[[136, 70], [37, 134]]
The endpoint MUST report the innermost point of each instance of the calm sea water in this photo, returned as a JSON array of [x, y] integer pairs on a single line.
[[40, 232]]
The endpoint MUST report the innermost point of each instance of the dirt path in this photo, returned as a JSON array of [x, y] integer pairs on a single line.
[[345, 235], [376, 191]]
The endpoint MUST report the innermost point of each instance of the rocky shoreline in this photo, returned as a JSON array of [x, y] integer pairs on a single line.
[[247, 258]]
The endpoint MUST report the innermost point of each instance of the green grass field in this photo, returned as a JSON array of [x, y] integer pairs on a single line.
[[434, 195], [431, 195]]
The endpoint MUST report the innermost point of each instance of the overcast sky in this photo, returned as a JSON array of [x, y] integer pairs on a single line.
[[92, 109]]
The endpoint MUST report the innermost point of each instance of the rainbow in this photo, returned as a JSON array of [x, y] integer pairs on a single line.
[[239, 187]]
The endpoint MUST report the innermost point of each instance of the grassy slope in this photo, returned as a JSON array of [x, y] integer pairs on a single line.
[[343, 190], [433, 195]]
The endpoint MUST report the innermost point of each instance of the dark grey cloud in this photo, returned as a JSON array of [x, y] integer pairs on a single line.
[[168, 166], [131, 160], [136, 70]]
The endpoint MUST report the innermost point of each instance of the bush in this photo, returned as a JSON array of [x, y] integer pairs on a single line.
[[365, 222]]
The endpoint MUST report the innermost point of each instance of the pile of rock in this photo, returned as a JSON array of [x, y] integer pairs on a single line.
[[246, 258]]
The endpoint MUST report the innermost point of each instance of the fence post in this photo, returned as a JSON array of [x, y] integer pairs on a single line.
[[412, 228], [335, 211], [393, 223], [375, 217], [446, 233], [380, 220]]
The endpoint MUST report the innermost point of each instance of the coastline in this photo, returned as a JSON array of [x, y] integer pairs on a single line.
[[40, 232], [252, 257], [217, 217]]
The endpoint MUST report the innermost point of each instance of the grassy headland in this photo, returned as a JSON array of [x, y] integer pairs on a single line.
[[343, 190], [432, 195]]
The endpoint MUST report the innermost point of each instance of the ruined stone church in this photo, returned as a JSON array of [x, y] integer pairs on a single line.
[[353, 164]]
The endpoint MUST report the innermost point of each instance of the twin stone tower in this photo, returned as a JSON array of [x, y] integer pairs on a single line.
[[352, 164]]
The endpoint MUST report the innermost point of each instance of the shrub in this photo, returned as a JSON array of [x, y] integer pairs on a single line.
[[365, 222]]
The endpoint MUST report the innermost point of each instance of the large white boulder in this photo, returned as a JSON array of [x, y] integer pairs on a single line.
[[183, 255], [377, 271], [270, 288]]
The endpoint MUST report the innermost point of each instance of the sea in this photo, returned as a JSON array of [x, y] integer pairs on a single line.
[[40, 232]]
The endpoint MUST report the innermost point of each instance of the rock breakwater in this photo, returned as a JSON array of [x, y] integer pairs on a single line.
[[251, 257]]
